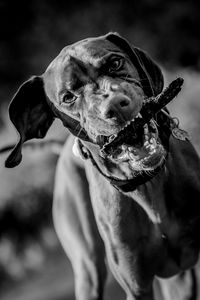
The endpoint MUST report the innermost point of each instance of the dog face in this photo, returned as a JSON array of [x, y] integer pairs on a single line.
[[96, 87], [96, 84]]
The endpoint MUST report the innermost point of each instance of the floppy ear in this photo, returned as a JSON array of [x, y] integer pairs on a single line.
[[149, 72], [30, 114]]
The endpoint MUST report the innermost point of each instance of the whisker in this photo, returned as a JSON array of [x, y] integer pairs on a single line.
[[79, 132]]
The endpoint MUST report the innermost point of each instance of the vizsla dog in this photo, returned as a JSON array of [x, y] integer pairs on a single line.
[[136, 204]]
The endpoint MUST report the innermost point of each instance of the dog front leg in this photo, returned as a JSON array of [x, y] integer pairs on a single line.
[[133, 286], [128, 266], [76, 228]]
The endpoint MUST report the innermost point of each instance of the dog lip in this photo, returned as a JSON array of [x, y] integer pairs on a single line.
[[113, 138], [101, 140], [142, 151], [140, 158], [154, 160]]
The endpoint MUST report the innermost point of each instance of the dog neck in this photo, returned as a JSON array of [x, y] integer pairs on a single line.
[[121, 175], [148, 191], [115, 173]]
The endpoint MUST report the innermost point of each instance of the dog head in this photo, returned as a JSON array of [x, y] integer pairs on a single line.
[[96, 87]]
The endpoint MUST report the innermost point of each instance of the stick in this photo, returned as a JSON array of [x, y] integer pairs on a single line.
[[149, 109], [154, 104]]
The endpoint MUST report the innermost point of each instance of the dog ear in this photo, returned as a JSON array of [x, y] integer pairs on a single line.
[[150, 74], [30, 114], [152, 69]]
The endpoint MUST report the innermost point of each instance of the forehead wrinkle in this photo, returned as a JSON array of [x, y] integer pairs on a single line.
[[94, 51], [90, 48], [57, 68], [72, 73], [90, 52], [86, 57]]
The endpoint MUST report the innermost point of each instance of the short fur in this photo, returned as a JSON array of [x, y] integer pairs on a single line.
[[150, 231]]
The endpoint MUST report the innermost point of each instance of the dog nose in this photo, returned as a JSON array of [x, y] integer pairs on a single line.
[[118, 107]]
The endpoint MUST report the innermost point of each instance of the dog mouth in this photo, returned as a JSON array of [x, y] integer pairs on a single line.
[[138, 141], [138, 145]]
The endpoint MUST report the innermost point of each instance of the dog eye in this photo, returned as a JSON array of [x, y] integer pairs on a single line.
[[115, 64], [68, 98]]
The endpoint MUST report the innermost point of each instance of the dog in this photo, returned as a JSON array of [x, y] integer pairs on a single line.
[[134, 206]]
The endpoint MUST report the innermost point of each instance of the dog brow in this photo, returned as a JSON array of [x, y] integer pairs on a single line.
[[79, 63]]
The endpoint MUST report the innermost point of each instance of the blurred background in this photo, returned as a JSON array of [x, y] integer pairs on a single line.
[[32, 263]]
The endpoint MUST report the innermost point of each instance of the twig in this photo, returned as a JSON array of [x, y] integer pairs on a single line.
[[149, 109]]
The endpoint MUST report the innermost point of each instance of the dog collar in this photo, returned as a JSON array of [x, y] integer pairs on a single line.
[[125, 186], [167, 126], [128, 185]]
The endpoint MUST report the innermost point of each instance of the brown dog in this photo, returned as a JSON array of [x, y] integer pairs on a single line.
[[139, 202]]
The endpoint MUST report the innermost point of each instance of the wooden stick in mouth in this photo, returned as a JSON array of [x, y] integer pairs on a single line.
[[149, 109], [154, 104]]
